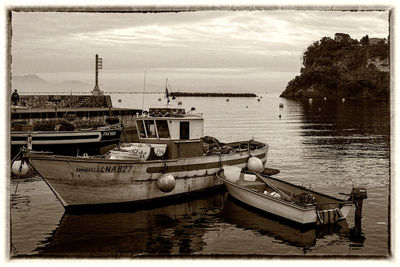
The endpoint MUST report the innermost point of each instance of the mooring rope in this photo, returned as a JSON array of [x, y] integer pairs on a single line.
[[12, 161], [220, 160]]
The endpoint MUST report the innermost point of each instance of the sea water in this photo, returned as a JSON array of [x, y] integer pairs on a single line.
[[327, 145]]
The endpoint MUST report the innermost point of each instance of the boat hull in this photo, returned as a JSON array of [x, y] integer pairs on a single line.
[[91, 181], [67, 142], [278, 207]]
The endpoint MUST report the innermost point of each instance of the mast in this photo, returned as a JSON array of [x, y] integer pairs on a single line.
[[144, 89]]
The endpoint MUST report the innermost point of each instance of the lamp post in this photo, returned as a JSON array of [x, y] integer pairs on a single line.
[[99, 65]]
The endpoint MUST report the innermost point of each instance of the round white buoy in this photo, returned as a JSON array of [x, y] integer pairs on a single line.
[[325, 98], [343, 99], [255, 164], [20, 168], [166, 183]]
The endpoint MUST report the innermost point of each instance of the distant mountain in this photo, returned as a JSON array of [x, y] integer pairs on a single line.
[[34, 83]]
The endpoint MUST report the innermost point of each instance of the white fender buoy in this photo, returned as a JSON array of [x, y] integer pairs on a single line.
[[255, 164], [166, 183], [20, 168]]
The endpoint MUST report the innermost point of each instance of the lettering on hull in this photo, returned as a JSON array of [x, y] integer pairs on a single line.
[[109, 133], [107, 169]]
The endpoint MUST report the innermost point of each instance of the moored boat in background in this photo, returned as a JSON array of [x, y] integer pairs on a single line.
[[68, 142]]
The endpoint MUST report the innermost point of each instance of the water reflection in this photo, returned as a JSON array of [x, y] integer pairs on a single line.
[[292, 234], [174, 230], [352, 121], [170, 230]]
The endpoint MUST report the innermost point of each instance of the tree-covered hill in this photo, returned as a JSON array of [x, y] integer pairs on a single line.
[[343, 67]]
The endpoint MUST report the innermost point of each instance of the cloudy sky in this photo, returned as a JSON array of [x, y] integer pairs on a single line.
[[255, 51]]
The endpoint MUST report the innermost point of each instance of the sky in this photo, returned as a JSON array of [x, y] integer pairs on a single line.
[[234, 51]]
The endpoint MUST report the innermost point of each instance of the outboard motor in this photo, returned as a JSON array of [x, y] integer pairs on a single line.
[[357, 195]]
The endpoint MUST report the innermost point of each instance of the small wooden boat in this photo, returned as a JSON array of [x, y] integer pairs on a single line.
[[283, 199]]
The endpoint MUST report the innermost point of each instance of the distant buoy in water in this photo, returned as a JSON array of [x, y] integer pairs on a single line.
[[343, 99], [279, 116], [319, 109], [227, 100], [325, 98], [310, 100], [258, 100], [20, 168], [159, 99], [247, 106], [166, 183], [255, 164]]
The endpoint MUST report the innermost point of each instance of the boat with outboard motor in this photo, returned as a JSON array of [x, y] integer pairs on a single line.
[[172, 158], [292, 202]]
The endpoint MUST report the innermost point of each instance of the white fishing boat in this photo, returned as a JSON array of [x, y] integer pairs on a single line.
[[172, 158], [82, 141], [284, 199]]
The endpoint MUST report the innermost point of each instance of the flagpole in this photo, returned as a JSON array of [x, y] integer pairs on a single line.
[[166, 91]]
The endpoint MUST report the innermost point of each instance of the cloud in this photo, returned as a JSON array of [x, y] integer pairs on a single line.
[[272, 40]]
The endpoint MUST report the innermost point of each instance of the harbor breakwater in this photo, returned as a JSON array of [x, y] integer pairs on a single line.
[[187, 94]]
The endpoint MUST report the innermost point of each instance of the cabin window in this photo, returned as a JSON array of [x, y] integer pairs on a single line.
[[184, 130], [162, 127], [151, 129], [141, 130]]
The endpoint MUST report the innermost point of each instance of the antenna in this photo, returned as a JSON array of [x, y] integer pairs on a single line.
[[144, 89]]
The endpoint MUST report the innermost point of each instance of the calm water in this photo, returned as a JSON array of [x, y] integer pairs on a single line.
[[328, 145]]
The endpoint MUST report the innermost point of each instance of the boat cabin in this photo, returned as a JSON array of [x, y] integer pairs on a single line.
[[180, 131]]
